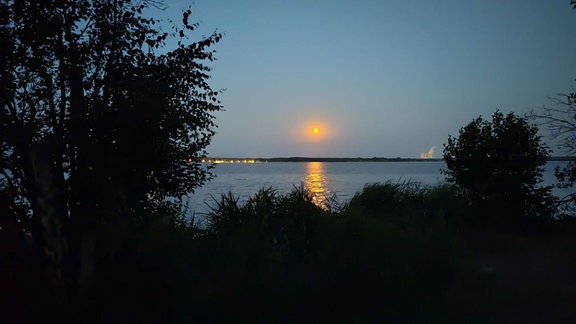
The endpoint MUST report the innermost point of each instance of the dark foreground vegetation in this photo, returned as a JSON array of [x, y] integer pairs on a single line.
[[395, 252]]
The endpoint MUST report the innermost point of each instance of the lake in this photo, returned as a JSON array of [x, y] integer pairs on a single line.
[[322, 179]]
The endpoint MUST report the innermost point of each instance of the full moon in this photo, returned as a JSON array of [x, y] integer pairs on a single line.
[[315, 130]]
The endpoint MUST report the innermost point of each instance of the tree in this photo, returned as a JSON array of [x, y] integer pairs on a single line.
[[498, 165], [560, 120], [96, 127]]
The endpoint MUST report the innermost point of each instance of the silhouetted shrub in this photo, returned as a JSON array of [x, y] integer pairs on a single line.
[[498, 165], [386, 255], [282, 258]]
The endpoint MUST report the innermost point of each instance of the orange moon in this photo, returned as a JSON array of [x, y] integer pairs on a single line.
[[315, 130]]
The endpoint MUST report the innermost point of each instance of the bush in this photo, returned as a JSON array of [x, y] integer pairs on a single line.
[[498, 165], [388, 254]]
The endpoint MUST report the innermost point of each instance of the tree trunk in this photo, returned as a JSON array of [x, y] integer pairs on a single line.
[[49, 221]]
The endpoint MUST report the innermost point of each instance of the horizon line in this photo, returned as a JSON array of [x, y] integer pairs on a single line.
[[561, 157], [318, 157]]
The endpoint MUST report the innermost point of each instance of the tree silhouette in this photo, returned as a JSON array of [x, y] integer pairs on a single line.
[[97, 128], [498, 165], [560, 120]]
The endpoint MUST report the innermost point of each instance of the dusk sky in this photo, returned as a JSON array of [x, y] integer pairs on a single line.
[[377, 78]]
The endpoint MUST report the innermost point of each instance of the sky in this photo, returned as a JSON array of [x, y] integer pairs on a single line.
[[378, 78]]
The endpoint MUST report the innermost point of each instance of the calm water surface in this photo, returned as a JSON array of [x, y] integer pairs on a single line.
[[322, 179]]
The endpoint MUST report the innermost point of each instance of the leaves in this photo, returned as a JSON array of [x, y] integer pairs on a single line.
[[121, 128], [498, 163]]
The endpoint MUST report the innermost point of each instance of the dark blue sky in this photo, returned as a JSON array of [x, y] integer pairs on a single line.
[[378, 78]]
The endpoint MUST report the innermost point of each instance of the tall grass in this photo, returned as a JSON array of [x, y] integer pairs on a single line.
[[389, 253], [396, 252]]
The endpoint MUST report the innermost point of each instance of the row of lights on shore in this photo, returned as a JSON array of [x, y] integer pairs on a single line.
[[217, 161]]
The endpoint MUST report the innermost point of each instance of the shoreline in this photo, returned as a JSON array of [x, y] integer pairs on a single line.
[[334, 159]]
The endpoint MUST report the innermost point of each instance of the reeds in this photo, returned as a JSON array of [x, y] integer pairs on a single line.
[[389, 253], [396, 252]]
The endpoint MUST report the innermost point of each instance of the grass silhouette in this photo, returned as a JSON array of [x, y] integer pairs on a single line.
[[398, 252]]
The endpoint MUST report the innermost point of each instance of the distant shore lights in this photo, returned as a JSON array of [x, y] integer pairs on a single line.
[[429, 154], [224, 160]]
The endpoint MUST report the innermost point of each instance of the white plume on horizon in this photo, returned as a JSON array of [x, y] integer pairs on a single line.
[[429, 154]]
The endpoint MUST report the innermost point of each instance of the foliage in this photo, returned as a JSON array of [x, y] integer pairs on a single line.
[[388, 259], [498, 165], [396, 252], [97, 128], [560, 120], [410, 202]]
